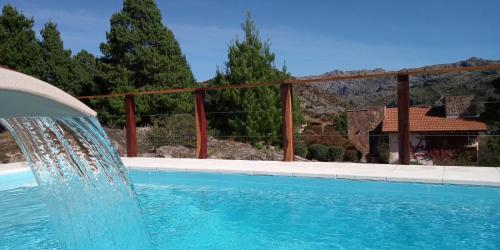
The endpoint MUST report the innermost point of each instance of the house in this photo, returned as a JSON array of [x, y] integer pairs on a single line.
[[435, 132], [360, 123]]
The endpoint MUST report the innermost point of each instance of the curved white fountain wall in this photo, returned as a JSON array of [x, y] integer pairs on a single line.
[[24, 96], [90, 198]]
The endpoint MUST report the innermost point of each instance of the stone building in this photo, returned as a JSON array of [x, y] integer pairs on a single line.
[[359, 125], [434, 131]]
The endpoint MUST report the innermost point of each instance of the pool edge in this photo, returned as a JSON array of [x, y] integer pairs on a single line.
[[479, 176]]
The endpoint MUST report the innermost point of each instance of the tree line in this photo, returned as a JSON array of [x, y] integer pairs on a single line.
[[141, 53]]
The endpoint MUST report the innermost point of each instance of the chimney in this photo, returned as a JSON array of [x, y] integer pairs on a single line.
[[459, 106]]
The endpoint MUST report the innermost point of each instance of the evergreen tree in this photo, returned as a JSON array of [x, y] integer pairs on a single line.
[[249, 61], [142, 54], [46, 59], [57, 61], [19, 48], [83, 73]]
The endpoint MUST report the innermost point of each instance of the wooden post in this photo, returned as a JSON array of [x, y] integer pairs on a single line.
[[404, 119], [201, 125], [130, 126], [287, 110]]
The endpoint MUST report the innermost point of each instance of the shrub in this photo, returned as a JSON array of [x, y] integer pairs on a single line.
[[340, 123], [352, 155], [466, 158], [443, 157], [301, 150], [452, 157], [174, 130], [318, 152], [380, 153], [489, 149], [156, 136], [336, 153], [259, 145]]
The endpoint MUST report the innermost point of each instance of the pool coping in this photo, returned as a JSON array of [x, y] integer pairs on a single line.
[[483, 176]]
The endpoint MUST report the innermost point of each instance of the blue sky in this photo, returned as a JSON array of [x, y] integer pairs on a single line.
[[312, 37]]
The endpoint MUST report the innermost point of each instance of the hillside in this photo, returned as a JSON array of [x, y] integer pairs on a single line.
[[329, 98], [217, 149]]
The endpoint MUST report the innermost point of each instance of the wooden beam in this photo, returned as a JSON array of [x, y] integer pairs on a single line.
[[303, 81], [404, 118], [201, 125], [287, 110], [130, 126]]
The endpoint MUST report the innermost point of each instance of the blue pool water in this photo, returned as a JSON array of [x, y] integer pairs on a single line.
[[210, 211]]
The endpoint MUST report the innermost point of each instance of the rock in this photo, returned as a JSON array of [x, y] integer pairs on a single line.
[[217, 149], [234, 150], [175, 152], [9, 151]]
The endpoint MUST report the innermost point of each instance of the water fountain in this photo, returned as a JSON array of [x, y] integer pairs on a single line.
[[91, 200]]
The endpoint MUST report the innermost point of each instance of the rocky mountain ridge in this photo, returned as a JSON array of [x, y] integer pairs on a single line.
[[337, 96]]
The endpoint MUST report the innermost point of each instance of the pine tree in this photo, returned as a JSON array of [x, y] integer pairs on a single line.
[[249, 61], [19, 48], [142, 54], [57, 61], [46, 59], [83, 73]]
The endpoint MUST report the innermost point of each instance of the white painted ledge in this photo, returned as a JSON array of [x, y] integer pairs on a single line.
[[22, 96], [13, 168], [485, 176]]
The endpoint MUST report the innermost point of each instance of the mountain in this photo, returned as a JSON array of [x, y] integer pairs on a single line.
[[327, 99]]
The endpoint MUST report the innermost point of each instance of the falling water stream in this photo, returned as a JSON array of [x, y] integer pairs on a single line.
[[90, 198]]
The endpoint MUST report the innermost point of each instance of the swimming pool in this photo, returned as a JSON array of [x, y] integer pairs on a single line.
[[216, 211]]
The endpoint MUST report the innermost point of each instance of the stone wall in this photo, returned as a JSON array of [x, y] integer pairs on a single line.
[[359, 124], [459, 106]]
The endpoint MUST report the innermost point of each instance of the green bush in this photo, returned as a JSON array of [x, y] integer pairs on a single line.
[[318, 152], [352, 155], [336, 153], [301, 150], [156, 136], [489, 148], [174, 130], [340, 123], [380, 153], [259, 145], [453, 157]]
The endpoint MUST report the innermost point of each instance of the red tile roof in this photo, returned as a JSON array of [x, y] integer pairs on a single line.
[[422, 121]]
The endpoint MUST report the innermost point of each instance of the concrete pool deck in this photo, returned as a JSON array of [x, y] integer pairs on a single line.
[[485, 176]]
